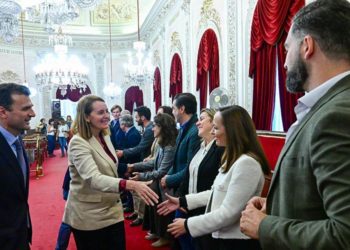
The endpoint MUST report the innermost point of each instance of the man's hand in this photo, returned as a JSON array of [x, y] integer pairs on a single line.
[[177, 228], [120, 153], [130, 168], [252, 216], [163, 181], [136, 176], [259, 203]]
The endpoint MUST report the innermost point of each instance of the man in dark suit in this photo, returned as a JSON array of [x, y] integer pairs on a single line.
[[187, 145], [114, 127], [16, 110], [142, 150], [308, 205], [132, 139]]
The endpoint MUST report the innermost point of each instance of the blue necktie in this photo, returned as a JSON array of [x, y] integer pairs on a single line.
[[20, 158]]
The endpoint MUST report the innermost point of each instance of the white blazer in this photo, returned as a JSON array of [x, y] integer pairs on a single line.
[[230, 193], [93, 200]]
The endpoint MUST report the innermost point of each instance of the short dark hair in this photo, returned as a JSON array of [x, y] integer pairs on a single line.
[[143, 111], [187, 100], [168, 131], [116, 107], [328, 22], [9, 89], [167, 110]]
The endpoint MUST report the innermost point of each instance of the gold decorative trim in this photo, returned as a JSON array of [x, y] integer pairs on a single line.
[[209, 13], [176, 43], [9, 76]]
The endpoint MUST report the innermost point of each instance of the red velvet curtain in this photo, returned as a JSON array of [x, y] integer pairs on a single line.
[[157, 89], [175, 76], [271, 23], [207, 63], [73, 94], [133, 95]]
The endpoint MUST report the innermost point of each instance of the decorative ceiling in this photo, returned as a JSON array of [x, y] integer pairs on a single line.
[[95, 21]]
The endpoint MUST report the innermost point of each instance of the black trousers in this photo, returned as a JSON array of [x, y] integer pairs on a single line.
[[236, 244], [108, 238]]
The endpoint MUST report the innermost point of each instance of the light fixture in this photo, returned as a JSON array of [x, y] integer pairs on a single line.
[[9, 11], [139, 68], [111, 89], [56, 12], [25, 83], [59, 69]]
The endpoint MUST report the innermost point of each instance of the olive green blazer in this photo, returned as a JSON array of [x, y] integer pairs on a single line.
[[309, 199]]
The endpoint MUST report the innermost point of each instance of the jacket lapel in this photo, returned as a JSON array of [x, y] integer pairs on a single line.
[[99, 149], [12, 162], [206, 158], [336, 89]]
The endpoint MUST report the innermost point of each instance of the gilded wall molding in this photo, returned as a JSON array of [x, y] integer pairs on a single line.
[[176, 44], [9, 76], [209, 14]]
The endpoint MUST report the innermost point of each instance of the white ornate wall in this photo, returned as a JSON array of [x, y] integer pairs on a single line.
[[173, 26]]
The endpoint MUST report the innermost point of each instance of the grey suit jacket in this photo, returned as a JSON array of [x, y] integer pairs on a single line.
[[157, 168], [93, 200], [309, 198]]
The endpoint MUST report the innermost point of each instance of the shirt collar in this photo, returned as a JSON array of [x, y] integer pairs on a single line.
[[10, 138], [310, 98], [207, 147]]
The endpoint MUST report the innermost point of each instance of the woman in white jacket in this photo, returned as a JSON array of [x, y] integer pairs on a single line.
[[240, 177]]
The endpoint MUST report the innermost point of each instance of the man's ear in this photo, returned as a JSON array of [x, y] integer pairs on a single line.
[[3, 112], [182, 109], [308, 47]]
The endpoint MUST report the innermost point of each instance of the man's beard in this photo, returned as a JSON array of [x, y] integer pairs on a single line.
[[297, 77]]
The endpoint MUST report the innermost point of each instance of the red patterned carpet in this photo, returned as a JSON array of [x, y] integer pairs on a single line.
[[46, 207]]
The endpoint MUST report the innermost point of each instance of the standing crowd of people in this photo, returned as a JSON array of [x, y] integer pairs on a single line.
[[196, 183]]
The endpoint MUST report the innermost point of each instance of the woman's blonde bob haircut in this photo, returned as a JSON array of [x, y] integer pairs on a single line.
[[80, 125]]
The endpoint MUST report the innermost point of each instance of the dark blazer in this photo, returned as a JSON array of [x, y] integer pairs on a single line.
[[207, 171], [117, 135], [132, 139], [144, 147], [187, 146], [309, 198], [14, 209]]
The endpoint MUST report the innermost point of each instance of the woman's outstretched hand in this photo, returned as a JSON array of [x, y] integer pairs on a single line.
[[168, 206], [144, 191]]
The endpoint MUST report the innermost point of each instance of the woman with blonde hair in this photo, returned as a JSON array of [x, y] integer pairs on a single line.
[[93, 209], [240, 177]]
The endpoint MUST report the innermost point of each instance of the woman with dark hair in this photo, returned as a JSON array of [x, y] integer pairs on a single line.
[[93, 209], [165, 132], [240, 177]]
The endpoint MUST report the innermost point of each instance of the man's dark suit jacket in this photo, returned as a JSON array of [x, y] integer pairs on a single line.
[[207, 171], [308, 204], [143, 149], [132, 139], [117, 135], [187, 145], [14, 209]]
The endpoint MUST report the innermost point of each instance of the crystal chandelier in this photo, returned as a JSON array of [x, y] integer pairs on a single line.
[[57, 12], [61, 70], [139, 69], [9, 11], [111, 89]]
